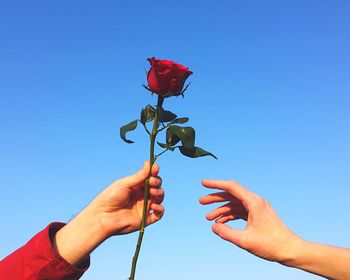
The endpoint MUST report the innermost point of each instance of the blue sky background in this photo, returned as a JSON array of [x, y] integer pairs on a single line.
[[269, 96]]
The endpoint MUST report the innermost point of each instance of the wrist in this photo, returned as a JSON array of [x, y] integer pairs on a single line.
[[293, 253], [76, 240]]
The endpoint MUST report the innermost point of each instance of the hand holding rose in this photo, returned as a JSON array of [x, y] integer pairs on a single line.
[[116, 210]]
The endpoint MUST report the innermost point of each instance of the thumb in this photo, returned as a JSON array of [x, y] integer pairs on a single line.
[[139, 177], [229, 234]]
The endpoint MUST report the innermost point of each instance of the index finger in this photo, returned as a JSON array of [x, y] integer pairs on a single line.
[[235, 189], [155, 170]]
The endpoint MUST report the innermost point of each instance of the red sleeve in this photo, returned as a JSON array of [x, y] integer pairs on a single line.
[[39, 260]]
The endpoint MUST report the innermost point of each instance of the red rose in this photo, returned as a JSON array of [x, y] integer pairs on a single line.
[[166, 78]]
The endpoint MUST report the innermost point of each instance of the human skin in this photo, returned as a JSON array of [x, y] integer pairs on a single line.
[[116, 210], [266, 236]]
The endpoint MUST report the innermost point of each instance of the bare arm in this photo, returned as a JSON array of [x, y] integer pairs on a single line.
[[266, 236]]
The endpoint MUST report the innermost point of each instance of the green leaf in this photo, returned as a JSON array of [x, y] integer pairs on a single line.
[[143, 116], [195, 152], [179, 121], [126, 128], [171, 138], [147, 114], [176, 133], [166, 146], [166, 116]]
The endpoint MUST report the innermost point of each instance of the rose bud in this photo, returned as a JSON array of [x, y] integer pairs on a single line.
[[166, 78]]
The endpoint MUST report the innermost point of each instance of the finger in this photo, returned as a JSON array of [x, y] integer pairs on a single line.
[[224, 210], [227, 218], [157, 195], [233, 188], [217, 197], [157, 208], [156, 214], [137, 178], [231, 217], [155, 170], [227, 233], [155, 182]]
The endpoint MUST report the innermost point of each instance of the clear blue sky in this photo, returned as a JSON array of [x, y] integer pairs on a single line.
[[269, 96]]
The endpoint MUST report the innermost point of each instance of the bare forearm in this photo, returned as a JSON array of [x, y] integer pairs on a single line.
[[327, 261], [76, 240]]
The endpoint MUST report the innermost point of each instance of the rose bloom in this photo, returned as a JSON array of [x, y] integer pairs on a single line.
[[166, 78]]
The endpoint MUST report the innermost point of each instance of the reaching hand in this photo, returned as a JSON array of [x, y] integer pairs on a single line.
[[265, 234]]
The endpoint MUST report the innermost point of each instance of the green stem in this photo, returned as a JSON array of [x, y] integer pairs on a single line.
[[153, 136], [157, 156]]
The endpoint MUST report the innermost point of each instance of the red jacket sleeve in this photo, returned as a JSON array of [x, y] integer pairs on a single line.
[[39, 260]]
